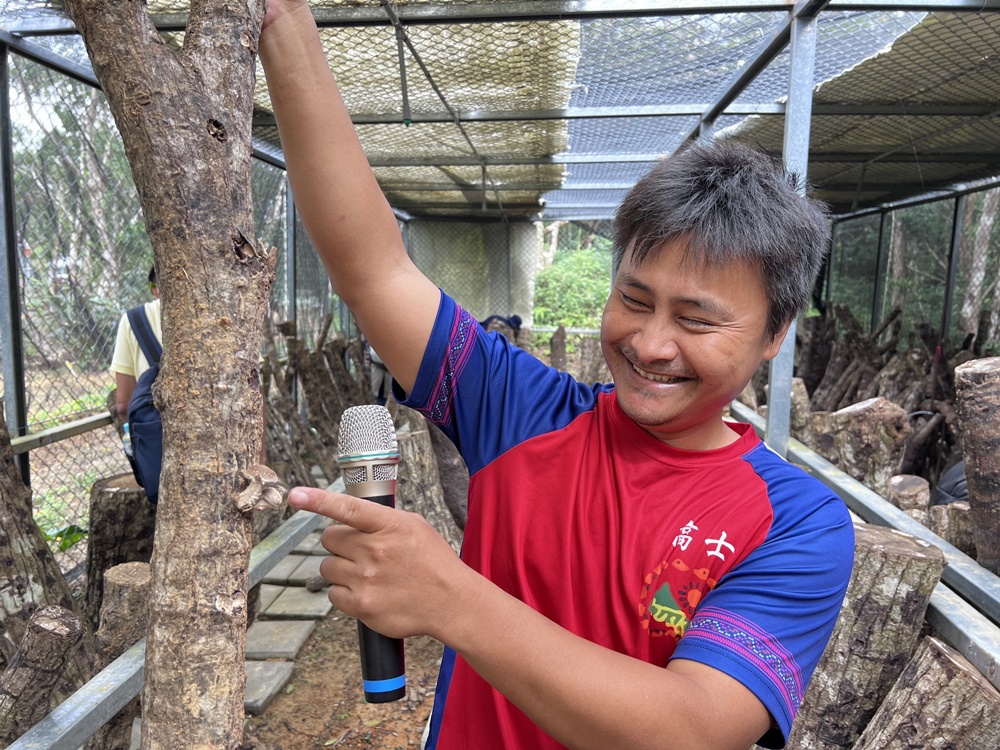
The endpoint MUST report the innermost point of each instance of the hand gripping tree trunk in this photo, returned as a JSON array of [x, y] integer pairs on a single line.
[[185, 118]]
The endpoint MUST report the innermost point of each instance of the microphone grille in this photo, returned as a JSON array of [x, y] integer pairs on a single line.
[[367, 429]]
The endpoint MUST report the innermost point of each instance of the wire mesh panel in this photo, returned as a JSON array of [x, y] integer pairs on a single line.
[[83, 258], [975, 310], [853, 266], [314, 300], [469, 261], [916, 270]]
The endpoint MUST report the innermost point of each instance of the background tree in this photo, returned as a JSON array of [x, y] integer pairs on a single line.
[[77, 228], [572, 290], [185, 118]]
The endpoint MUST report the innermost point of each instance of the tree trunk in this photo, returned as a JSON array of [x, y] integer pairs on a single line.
[[977, 390], [124, 617], [939, 701], [418, 488], [953, 523], [185, 120], [894, 575], [453, 472], [122, 522], [908, 492], [557, 349], [29, 574], [978, 264], [35, 669], [865, 440]]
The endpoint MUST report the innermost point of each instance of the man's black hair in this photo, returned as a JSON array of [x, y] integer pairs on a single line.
[[152, 276], [728, 202]]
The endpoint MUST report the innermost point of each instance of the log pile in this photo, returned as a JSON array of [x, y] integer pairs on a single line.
[[891, 584], [856, 366], [940, 700]]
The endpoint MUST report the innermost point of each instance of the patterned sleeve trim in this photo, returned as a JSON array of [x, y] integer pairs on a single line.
[[461, 339], [748, 643]]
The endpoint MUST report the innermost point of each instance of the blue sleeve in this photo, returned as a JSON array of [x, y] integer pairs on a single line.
[[486, 394], [768, 621]]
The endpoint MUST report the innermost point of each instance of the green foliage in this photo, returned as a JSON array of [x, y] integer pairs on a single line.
[[572, 291], [915, 268], [87, 404], [66, 537]]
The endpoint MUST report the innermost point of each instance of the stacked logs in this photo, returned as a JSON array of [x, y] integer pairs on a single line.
[[842, 365]]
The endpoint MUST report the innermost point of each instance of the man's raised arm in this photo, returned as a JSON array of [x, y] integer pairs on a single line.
[[342, 207]]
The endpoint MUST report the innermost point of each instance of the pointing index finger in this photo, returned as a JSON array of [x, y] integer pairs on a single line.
[[355, 512]]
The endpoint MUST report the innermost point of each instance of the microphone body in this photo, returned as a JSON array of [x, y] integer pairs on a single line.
[[368, 455]]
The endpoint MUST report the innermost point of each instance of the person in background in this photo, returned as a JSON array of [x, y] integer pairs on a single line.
[[128, 361], [513, 322], [636, 572]]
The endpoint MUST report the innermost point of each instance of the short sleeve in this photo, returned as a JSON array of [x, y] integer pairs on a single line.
[[768, 621]]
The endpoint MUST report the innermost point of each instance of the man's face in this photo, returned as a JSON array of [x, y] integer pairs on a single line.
[[682, 340]]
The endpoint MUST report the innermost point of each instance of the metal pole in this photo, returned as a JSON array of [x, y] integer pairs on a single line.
[[798, 114], [949, 282], [15, 404], [879, 272], [291, 219]]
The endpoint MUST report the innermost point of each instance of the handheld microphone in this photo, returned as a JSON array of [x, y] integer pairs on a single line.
[[368, 454]]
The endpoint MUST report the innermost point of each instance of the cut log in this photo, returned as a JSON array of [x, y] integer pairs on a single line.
[[557, 349], [418, 487], [34, 671], [124, 616], [875, 635], [122, 522], [919, 515], [977, 390], [799, 416], [939, 701], [953, 523], [29, 575], [865, 440], [453, 473], [907, 491]]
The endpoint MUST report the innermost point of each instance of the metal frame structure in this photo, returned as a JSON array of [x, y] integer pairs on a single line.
[[796, 32]]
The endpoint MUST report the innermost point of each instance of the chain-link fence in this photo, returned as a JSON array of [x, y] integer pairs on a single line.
[[83, 258], [907, 260]]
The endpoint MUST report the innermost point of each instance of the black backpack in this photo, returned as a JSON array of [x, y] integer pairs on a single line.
[[143, 418]]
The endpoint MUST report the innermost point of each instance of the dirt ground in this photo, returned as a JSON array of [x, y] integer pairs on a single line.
[[323, 705]]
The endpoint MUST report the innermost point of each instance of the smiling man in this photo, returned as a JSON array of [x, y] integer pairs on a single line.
[[636, 571]]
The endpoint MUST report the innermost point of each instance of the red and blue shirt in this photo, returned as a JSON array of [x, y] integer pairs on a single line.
[[731, 557]]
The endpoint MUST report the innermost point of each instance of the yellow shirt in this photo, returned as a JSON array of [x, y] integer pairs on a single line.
[[128, 358]]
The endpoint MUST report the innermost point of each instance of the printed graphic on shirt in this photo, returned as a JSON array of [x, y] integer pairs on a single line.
[[672, 591]]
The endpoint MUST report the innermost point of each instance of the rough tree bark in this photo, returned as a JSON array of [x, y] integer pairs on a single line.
[[124, 616], [29, 574], [908, 492], [185, 120], [866, 440], [35, 669], [122, 522], [894, 575], [977, 390], [939, 701]]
